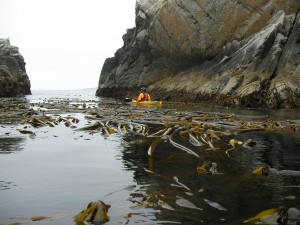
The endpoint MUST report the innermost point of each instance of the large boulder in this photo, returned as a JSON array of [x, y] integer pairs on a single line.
[[14, 80], [243, 53]]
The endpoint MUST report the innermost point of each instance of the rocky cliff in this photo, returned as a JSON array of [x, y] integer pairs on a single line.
[[13, 77], [234, 53]]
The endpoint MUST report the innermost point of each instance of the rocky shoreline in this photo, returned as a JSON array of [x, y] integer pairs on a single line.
[[14, 80], [230, 54]]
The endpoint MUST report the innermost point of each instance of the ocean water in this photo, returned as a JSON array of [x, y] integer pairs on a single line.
[[59, 170], [79, 94]]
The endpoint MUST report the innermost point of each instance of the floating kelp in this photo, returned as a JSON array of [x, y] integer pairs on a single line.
[[215, 205], [94, 126], [25, 131], [127, 217], [165, 205], [186, 203], [67, 123], [181, 184], [153, 146], [179, 146], [154, 199], [91, 117], [280, 215], [194, 141], [122, 128], [262, 170], [140, 205], [233, 143], [95, 212], [36, 122], [266, 214], [249, 143], [196, 122], [38, 218], [208, 167], [192, 132]]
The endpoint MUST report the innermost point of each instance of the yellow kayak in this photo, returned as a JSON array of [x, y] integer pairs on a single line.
[[146, 103]]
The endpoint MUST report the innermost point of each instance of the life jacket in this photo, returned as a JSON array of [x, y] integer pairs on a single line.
[[145, 97]]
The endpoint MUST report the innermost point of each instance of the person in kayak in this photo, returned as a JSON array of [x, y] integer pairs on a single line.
[[143, 96]]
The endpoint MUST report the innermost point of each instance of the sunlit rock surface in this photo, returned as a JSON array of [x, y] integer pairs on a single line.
[[230, 53], [13, 77]]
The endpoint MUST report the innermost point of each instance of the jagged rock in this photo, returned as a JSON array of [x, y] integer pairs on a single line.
[[13, 77], [223, 52], [285, 86]]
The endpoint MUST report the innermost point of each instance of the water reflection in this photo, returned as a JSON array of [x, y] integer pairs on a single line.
[[229, 197], [281, 150], [11, 144], [11, 109], [237, 189]]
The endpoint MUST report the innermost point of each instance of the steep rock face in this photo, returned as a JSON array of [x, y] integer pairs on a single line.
[[13, 78], [224, 52]]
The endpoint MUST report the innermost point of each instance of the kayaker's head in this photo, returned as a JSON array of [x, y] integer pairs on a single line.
[[143, 89]]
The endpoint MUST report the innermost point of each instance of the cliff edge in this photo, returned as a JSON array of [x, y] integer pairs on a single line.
[[230, 53], [14, 80]]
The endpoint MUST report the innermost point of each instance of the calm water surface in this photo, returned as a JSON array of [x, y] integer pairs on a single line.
[[59, 171]]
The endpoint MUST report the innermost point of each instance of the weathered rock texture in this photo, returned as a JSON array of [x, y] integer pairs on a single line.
[[242, 53], [14, 80]]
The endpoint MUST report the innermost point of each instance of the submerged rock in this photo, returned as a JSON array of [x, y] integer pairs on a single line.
[[226, 53], [14, 80]]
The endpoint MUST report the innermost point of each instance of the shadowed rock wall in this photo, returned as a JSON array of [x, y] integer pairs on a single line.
[[14, 80], [241, 53]]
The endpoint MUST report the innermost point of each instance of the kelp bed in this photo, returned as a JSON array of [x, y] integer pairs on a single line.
[[201, 129], [193, 132]]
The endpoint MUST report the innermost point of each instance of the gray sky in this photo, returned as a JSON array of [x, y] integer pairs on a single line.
[[65, 42]]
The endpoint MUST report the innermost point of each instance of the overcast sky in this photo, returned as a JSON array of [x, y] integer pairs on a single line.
[[65, 42]]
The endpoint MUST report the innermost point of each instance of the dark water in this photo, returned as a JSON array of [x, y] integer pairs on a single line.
[[59, 171], [241, 193]]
